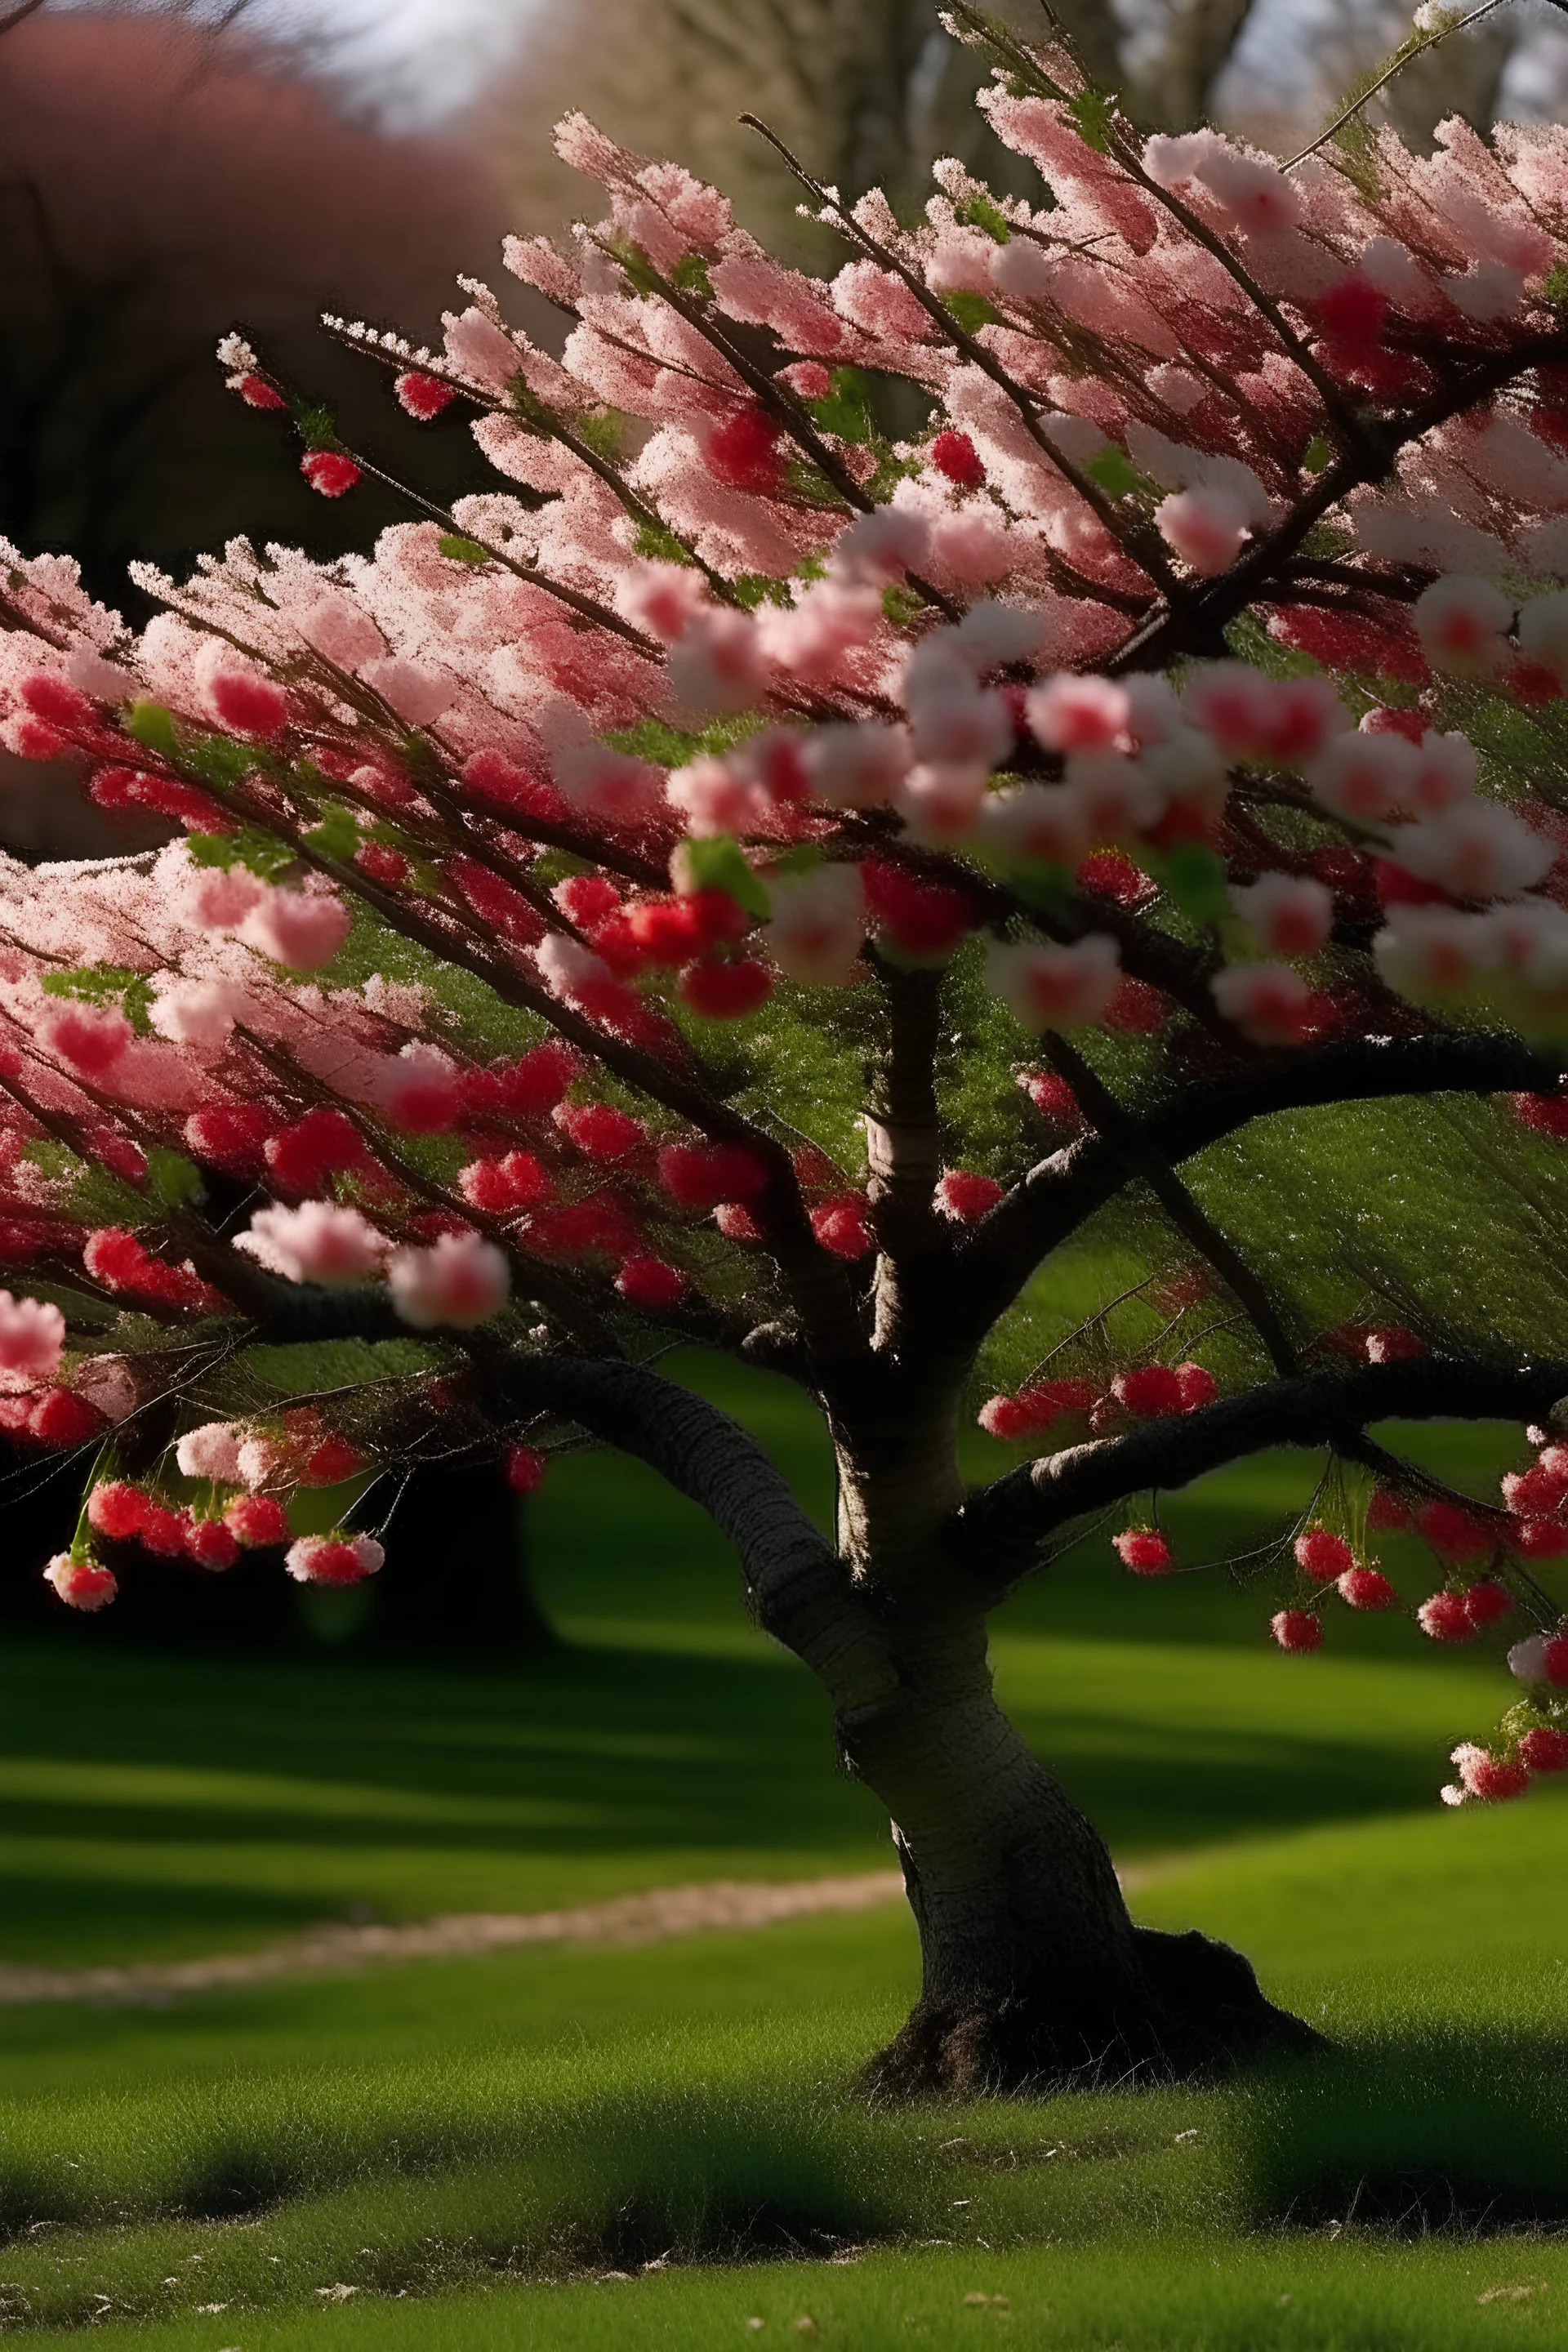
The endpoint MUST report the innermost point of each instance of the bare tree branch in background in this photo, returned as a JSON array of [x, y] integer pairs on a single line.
[[867, 92], [1307, 75]]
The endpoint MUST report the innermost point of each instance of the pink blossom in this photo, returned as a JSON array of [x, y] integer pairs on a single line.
[[91, 1037], [1543, 631], [1044, 822], [1205, 527], [1120, 798], [81, 1583], [1432, 951], [1476, 849], [218, 898], [1460, 622], [940, 805], [459, 1282], [200, 1013], [1365, 776], [1287, 914], [32, 1339], [719, 665], [338, 628], [416, 693], [333, 1560], [317, 1242], [418, 1090], [1078, 714], [235, 693], [881, 547], [1270, 1003], [1055, 987], [712, 799], [817, 925], [857, 767], [612, 786], [480, 349], [211, 1452], [301, 929]]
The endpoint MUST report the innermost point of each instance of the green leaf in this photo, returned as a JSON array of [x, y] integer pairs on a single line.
[[717, 862], [458, 549], [754, 588], [317, 428], [672, 746], [600, 430], [1193, 877], [846, 409], [152, 724], [656, 544], [1094, 112], [1554, 285], [217, 760], [804, 857], [1113, 469], [690, 274], [172, 1178], [106, 983], [1317, 454], [971, 311], [260, 853], [980, 212], [903, 606], [643, 277], [337, 835], [1041, 883]]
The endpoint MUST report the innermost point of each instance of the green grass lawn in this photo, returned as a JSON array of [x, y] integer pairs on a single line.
[[471, 2146]]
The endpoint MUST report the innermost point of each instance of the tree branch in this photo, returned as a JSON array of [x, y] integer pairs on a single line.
[[800, 1591], [1140, 1155], [996, 1535], [1061, 1194]]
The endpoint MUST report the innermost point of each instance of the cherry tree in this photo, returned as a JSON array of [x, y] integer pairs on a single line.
[[747, 883]]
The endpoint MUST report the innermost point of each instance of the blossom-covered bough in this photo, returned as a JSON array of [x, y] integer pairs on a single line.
[[758, 882]]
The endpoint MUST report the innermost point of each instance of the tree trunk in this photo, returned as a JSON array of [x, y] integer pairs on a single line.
[[1033, 1977]]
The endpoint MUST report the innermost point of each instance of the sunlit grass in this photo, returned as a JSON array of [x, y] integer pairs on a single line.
[[468, 2147]]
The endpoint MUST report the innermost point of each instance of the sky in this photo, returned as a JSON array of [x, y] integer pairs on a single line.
[[419, 57]]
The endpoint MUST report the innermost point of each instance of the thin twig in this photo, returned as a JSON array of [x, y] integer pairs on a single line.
[[1396, 63]]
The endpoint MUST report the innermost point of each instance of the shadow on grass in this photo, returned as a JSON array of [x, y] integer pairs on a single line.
[[1434, 2132]]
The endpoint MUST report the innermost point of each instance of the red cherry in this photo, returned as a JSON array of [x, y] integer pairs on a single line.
[[1445, 1618], [256, 1521], [329, 471], [1546, 1749], [1325, 1556], [211, 1545], [1496, 1778], [1149, 1389], [649, 1282], [1297, 1629], [956, 458], [1145, 1550], [1366, 1588], [725, 991], [116, 1509], [61, 1419], [524, 1467]]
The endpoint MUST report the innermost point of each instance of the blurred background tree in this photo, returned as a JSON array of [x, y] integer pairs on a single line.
[[162, 178], [868, 92]]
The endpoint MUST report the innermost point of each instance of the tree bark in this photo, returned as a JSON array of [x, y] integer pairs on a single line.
[[1034, 1977]]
